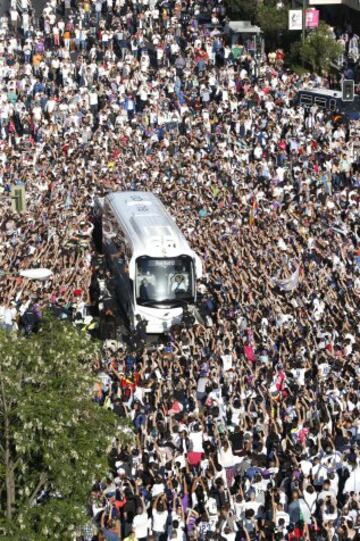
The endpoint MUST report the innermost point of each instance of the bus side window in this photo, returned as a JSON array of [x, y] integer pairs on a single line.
[[107, 225], [110, 226], [321, 102], [306, 100], [121, 252], [127, 257], [332, 104], [115, 240]]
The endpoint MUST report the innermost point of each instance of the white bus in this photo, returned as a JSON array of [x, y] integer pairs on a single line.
[[154, 268]]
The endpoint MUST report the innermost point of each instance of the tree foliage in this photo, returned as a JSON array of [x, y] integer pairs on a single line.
[[320, 49], [241, 10], [53, 437], [271, 18]]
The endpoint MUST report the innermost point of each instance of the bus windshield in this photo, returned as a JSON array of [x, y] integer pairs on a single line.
[[164, 280]]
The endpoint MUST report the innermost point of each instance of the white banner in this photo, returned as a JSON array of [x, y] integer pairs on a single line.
[[295, 19], [36, 274]]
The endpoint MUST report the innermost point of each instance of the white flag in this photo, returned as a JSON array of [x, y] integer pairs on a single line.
[[288, 284]]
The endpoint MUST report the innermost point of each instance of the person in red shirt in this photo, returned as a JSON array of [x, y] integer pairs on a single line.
[[298, 532]]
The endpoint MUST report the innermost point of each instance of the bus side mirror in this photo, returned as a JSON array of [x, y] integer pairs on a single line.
[[348, 88], [132, 269], [198, 267], [98, 207]]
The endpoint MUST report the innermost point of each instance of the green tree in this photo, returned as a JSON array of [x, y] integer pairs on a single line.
[[320, 50], [52, 435], [241, 10], [273, 21]]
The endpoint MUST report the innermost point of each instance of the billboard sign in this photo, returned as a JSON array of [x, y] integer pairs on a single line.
[[295, 19], [312, 18]]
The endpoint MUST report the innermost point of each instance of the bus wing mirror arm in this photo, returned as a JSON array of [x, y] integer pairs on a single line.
[[198, 267], [132, 269]]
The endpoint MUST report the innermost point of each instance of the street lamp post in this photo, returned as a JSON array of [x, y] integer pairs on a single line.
[[304, 6]]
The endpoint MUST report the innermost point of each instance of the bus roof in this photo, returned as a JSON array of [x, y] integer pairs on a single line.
[[149, 227], [323, 92]]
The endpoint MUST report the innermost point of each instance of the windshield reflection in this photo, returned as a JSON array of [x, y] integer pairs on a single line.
[[165, 280]]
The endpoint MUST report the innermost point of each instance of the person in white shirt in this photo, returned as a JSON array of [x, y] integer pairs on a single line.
[[318, 472], [279, 514], [310, 497], [227, 360], [352, 483], [141, 524], [159, 518], [94, 102], [229, 533], [196, 439], [260, 486], [176, 532], [252, 503], [14, 17], [9, 315], [305, 466]]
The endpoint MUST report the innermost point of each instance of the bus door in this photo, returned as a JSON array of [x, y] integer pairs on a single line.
[[120, 257], [97, 221], [117, 253]]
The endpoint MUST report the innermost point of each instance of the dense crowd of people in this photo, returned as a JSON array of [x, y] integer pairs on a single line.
[[247, 427], [350, 42]]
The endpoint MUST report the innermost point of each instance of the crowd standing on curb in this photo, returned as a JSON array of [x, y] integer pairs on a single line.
[[350, 42], [247, 428]]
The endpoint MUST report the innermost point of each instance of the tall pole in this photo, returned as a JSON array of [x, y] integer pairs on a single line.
[[304, 6]]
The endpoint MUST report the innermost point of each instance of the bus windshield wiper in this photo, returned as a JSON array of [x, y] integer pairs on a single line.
[[175, 302], [179, 300], [146, 303]]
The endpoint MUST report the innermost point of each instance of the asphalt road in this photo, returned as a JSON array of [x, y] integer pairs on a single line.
[[38, 5]]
